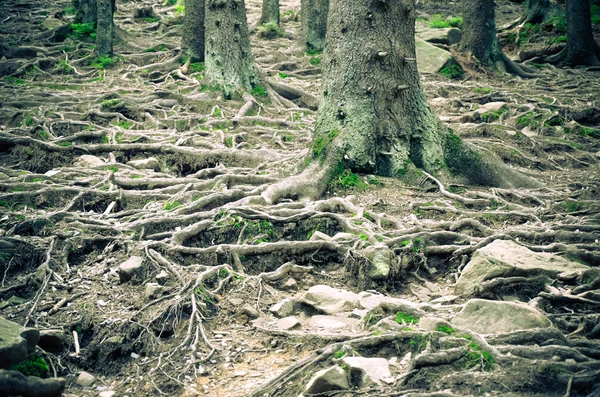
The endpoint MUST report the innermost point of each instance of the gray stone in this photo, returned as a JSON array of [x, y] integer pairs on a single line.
[[107, 393], [290, 284], [446, 36], [334, 324], [331, 300], [433, 323], [367, 371], [431, 59], [89, 161], [249, 311], [16, 342], [380, 258], [85, 379], [52, 340], [143, 164], [130, 268], [285, 308], [328, 379], [287, 323], [505, 258], [487, 317], [371, 301], [153, 291], [162, 277]]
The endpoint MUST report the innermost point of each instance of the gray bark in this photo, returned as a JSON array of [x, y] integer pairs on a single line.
[[229, 62], [314, 23], [193, 29], [104, 28], [373, 113], [270, 12], [479, 33], [581, 47], [85, 11], [537, 11]]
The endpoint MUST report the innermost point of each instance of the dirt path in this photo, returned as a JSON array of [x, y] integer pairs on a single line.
[[143, 165]]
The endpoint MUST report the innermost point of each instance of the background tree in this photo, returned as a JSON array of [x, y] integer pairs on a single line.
[[480, 41], [581, 47], [193, 30], [270, 12], [314, 23], [537, 11], [85, 11], [229, 62], [104, 28]]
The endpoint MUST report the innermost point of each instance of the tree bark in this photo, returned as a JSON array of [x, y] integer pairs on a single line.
[[480, 42], [86, 11], [229, 62], [193, 29], [537, 11], [314, 23], [270, 12], [581, 48], [104, 28]]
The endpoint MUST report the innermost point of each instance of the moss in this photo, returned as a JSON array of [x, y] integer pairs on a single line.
[[493, 115], [315, 61], [259, 91], [104, 62], [406, 318], [477, 356], [124, 124], [464, 161], [445, 329], [438, 22], [320, 144], [270, 30], [452, 72], [483, 90], [180, 10], [171, 205], [197, 67], [33, 366], [82, 31]]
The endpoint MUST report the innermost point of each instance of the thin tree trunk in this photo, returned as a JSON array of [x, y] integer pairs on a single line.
[[193, 29], [85, 11], [270, 12], [537, 11], [229, 62], [314, 23], [581, 47], [104, 28]]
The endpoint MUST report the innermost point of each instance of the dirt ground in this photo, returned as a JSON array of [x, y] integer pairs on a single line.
[[139, 160]]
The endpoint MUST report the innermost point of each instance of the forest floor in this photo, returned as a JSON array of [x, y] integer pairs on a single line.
[[138, 162]]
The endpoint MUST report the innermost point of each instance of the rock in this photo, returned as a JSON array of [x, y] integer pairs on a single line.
[[131, 268], [366, 371], [431, 59], [290, 284], [85, 379], [153, 291], [328, 379], [447, 36], [13, 383], [236, 301], [487, 317], [334, 324], [492, 107], [371, 301], [89, 161], [107, 393], [287, 323], [249, 311], [505, 258], [434, 324], [16, 342], [52, 340], [162, 277], [144, 164], [330, 300], [285, 308], [380, 258]]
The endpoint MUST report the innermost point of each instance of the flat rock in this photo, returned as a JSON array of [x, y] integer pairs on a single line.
[[447, 36], [431, 59], [107, 393], [85, 379], [285, 308], [331, 300], [328, 379], [365, 371], [290, 284], [143, 164], [488, 317], [287, 323], [130, 268], [89, 161], [505, 258], [433, 323], [16, 342], [334, 324], [380, 258], [153, 291], [52, 340], [371, 301]]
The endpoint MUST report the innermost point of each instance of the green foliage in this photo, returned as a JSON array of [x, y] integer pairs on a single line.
[[170, 2], [445, 329], [152, 19], [561, 39], [315, 61], [559, 23], [156, 49], [63, 66], [264, 229], [64, 144], [527, 32], [477, 356], [283, 75], [406, 318], [483, 90], [270, 30], [595, 11], [339, 354], [438, 22], [33, 366], [452, 72], [217, 112], [104, 62], [493, 115], [197, 67], [223, 273], [320, 144], [124, 124], [69, 10], [529, 119], [179, 10], [10, 80], [259, 92], [171, 205], [82, 31]]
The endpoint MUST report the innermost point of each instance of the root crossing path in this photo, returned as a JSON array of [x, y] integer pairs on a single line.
[[133, 230]]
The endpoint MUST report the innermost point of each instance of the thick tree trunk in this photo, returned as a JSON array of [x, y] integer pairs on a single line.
[[270, 12], [537, 11], [229, 62], [581, 48], [104, 28], [85, 11], [193, 29], [314, 23], [480, 42]]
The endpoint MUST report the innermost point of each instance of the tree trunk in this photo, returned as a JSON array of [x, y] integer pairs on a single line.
[[480, 42], [229, 62], [193, 29], [85, 11], [581, 48], [537, 11], [270, 12], [314, 23], [104, 28]]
